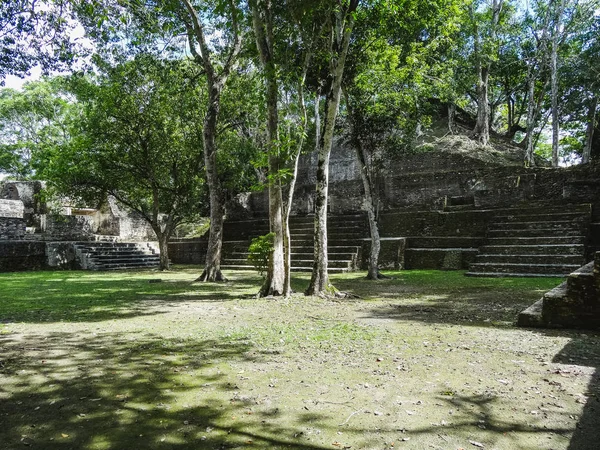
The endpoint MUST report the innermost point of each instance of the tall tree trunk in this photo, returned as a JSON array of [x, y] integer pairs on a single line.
[[534, 105], [366, 175], [163, 247], [482, 127], [595, 150], [287, 239], [365, 171], [263, 29], [554, 82], [215, 82], [529, 159], [589, 133], [287, 209], [451, 117], [319, 282], [212, 265]]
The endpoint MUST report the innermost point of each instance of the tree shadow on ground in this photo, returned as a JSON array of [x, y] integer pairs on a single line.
[[474, 307], [587, 431], [62, 391], [77, 296]]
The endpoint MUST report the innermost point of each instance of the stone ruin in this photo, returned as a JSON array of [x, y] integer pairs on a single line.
[[35, 234], [455, 208]]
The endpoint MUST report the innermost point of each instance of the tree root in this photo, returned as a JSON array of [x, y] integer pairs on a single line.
[[211, 276]]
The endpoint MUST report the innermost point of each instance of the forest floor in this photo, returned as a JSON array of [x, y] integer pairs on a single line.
[[427, 360]]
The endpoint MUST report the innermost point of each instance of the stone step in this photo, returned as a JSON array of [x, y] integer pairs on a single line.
[[439, 258], [536, 240], [547, 217], [93, 246], [537, 249], [558, 270], [329, 269], [295, 263], [338, 227], [330, 255], [555, 225], [530, 259], [119, 266], [511, 275], [466, 207], [537, 209], [539, 232], [332, 234], [443, 242], [299, 255], [581, 285], [293, 269], [114, 251], [105, 257], [309, 248], [542, 312], [132, 259]]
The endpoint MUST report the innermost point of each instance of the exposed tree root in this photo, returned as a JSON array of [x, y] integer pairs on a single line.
[[211, 275], [380, 276]]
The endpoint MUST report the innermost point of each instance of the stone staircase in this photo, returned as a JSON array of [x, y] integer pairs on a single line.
[[441, 252], [103, 255], [535, 241], [574, 303], [345, 236]]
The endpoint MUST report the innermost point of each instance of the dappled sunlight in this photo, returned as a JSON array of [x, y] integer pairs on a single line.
[[177, 364]]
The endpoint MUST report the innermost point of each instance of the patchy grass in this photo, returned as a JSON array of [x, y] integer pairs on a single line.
[[425, 360]]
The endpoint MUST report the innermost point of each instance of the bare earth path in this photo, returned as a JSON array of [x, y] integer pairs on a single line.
[[412, 364]]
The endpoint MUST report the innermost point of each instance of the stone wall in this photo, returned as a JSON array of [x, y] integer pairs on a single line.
[[22, 255], [11, 228], [11, 208], [426, 180], [68, 228], [62, 255], [188, 251], [28, 192]]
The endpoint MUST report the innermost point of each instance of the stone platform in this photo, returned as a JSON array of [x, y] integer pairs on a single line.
[[573, 304]]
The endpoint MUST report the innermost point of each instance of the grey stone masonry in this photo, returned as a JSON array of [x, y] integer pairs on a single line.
[[11, 208], [573, 304], [11, 228]]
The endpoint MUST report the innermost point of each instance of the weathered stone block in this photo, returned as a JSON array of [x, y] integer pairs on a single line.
[[22, 255], [62, 255], [391, 253]]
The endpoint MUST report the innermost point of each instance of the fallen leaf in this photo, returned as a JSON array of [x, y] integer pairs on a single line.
[[476, 444], [64, 435]]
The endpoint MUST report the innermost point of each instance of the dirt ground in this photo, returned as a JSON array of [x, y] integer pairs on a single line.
[[407, 365]]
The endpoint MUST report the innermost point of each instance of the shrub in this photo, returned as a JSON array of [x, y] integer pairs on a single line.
[[259, 252]]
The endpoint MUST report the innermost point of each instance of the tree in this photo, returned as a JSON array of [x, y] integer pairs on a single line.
[[392, 72], [216, 78], [33, 122], [211, 32], [339, 22], [284, 58], [559, 6], [262, 19], [484, 52], [137, 140], [35, 33]]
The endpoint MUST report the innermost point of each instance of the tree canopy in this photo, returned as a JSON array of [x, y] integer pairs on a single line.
[[184, 103]]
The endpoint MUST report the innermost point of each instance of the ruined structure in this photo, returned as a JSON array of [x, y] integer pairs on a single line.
[[454, 207], [35, 234], [575, 303]]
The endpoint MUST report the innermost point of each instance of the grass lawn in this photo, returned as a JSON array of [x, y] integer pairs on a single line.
[[427, 360]]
